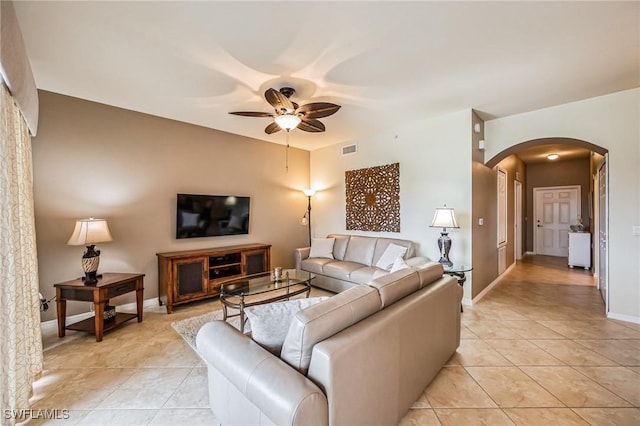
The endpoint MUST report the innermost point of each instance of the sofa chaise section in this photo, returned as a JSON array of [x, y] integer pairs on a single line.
[[362, 357]]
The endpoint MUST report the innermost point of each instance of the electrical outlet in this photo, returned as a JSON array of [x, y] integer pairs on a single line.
[[481, 221], [635, 230]]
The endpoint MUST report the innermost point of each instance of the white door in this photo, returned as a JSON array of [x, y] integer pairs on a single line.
[[556, 208], [602, 233], [517, 222]]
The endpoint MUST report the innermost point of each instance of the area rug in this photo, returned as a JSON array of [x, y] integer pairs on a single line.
[[188, 328]]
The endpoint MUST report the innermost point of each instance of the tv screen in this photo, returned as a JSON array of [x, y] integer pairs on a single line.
[[211, 215]]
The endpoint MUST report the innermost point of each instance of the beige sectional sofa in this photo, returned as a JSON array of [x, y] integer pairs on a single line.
[[354, 261], [361, 357]]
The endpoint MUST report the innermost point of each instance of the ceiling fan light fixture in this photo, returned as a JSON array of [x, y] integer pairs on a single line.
[[287, 121]]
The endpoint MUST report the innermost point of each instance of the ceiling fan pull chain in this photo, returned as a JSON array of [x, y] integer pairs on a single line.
[[287, 153]]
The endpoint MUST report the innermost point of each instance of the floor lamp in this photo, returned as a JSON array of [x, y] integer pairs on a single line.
[[306, 219]]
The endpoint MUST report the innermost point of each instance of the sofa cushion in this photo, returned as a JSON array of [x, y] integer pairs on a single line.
[[270, 322], [429, 273], [340, 270], [323, 320], [340, 247], [366, 274], [360, 250], [396, 285], [391, 253], [315, 265]]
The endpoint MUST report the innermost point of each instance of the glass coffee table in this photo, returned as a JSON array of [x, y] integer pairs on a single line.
[[262, 288]]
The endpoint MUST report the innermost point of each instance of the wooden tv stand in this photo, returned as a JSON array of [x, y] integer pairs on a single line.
[[186, 276]]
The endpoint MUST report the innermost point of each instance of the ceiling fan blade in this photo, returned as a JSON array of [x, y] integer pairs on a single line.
[[311, 125], [272, 128], [318, 109], [252, 114], [278, 100]]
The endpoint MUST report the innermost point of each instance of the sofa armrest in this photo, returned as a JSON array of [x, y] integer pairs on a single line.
[[285, 396], [301, 254], [418, 261]]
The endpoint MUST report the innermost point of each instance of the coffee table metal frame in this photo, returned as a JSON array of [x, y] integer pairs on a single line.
[[233, 292]]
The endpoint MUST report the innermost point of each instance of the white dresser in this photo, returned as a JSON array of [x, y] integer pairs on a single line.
[[580, 249]]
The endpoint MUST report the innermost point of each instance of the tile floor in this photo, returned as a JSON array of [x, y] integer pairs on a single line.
[[537, 350]]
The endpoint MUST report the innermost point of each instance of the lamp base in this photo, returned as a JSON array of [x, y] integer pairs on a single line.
[[90, 262], [444, 245], [91, 278]]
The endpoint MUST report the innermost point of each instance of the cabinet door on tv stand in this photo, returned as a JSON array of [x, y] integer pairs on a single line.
[[256, 261], [191, 281]]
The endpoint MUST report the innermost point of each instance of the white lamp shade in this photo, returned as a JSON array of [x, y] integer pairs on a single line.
[[90, 231], [309, 192], [444, 218], [287, 121]]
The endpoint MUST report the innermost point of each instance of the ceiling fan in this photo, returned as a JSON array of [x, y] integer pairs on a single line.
[[289, 115]]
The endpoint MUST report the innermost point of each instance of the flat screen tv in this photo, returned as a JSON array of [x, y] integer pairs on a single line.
[[211, 215]]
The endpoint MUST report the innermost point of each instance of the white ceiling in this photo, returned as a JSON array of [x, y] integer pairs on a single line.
[[386, 63]]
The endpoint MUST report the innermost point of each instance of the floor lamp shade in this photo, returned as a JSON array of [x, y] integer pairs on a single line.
[[444, 218], [88, 232]]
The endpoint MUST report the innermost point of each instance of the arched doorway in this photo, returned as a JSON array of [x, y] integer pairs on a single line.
[[526, 165]]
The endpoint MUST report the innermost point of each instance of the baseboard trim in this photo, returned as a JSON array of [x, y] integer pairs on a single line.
[[490, 287], [622, 317], [53, 324]]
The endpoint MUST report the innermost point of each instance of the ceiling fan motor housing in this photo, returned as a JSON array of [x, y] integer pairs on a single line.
[[287, 91]]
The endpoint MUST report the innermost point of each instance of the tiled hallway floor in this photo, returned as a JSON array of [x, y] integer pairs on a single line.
[[537, 350]]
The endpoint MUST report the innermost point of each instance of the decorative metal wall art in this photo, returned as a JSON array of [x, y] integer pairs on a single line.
[[373, 198]]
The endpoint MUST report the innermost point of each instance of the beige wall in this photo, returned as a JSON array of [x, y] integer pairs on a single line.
[[95, 160], [485, 203], [612, 122], [484, 206], [561, 173], [515, 169]]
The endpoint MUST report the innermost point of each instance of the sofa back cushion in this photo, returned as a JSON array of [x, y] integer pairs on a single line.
[[320, 321], [360, 250], [429, 272], [340, 246], [383, 243], [396, 285]]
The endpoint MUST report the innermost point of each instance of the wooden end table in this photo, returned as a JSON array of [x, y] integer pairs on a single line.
[[109, 285]]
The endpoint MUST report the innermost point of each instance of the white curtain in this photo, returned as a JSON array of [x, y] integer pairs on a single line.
[[20, 336]]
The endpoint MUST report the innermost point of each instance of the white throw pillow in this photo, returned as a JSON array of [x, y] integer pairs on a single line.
[[270, 322], [399, 264], [322, 247], [391, 253]]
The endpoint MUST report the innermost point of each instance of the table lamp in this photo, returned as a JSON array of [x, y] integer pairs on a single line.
[[87, 233], [444, 218]]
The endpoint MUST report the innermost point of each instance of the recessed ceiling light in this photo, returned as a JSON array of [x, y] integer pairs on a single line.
[[553, 156]]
